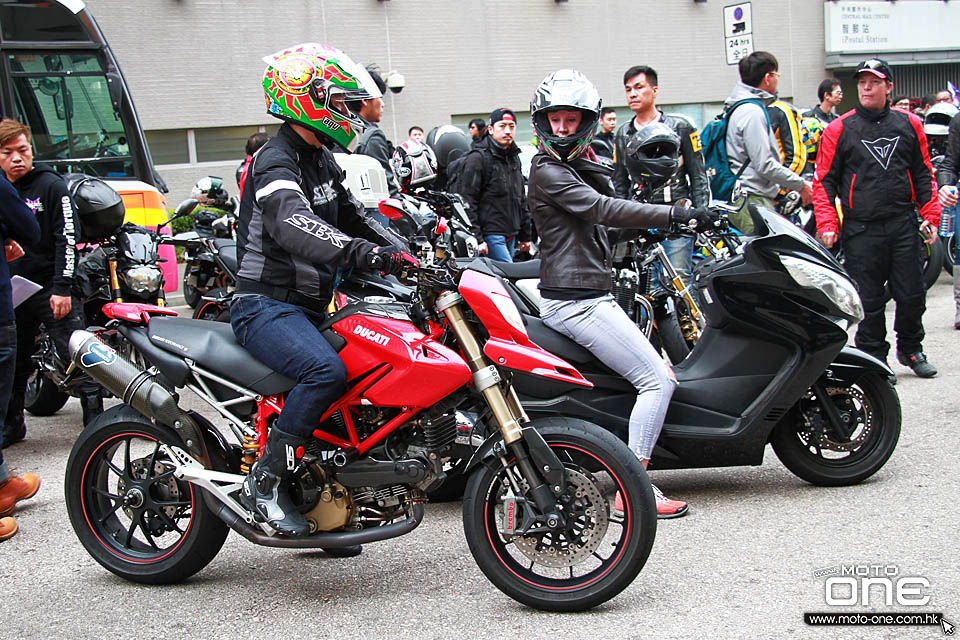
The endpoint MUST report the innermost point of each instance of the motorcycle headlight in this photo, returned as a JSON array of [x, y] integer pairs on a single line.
[[838, 289], [143, 279]]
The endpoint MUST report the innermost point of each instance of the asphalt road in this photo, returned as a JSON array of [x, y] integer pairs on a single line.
[[741, 565]]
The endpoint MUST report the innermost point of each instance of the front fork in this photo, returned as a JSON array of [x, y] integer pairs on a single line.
[[545, 477], [659, 253]]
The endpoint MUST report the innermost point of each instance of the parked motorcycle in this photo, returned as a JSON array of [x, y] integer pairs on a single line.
[[119, 263], [771, 365], [152, 490], [205, 274]]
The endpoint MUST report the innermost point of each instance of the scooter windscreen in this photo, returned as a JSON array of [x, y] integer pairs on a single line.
[[768, 222]]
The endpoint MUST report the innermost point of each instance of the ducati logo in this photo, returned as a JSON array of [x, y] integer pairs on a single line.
[[371, 335], [882, 149]]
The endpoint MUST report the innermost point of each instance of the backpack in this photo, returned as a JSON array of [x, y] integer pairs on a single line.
[[714, 141]]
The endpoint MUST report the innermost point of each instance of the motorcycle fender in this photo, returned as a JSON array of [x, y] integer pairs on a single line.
[[851, 363], [543, 456]]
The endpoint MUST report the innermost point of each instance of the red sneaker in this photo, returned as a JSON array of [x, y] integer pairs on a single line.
[[618, 504], [667, 508], [15, 489]]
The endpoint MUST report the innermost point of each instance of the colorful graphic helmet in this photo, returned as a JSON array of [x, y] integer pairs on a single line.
[[567, 90], [810, 130], [413, 164], [652, 155], [310, 85]]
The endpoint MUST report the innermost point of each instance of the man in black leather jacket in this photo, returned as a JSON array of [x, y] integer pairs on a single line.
[[492, 184], [298, 228], [688, 183], [604, 141], [947, 176]]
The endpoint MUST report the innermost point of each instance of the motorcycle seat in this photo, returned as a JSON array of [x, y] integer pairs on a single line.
[[555, 342], [228, 253], [516, 270], [213, 346]]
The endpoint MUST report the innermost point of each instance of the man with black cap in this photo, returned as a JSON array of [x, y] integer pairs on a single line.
[[492, 185], [875, 160]]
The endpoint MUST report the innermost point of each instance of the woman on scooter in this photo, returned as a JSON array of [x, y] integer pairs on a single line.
[[578, 216]]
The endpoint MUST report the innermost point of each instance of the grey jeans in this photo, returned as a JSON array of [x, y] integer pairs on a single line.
[[600, 325]]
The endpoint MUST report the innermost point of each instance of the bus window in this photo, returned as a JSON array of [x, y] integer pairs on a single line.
[[30, 20], [64, 99]]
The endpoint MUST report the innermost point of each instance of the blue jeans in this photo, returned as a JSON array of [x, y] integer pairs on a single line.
[[600, 325], [8, 364], [680, 252], [499, 247], [284, 337]]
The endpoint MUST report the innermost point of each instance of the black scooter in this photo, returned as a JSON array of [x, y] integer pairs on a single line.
[[772, 365]]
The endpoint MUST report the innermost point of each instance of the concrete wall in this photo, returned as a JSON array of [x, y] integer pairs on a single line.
[[196, 63]]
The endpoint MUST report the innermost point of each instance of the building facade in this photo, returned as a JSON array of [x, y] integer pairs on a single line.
[[194, 66]]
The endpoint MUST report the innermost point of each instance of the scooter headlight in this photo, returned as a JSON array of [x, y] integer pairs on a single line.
[[143, 279], [838, 289]]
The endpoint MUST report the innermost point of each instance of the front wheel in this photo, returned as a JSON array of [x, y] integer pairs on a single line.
[[190, 294], [589, 559], [129, 511], [809, 447]]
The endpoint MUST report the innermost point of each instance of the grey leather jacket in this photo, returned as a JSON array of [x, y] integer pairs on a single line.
[[578, 216]]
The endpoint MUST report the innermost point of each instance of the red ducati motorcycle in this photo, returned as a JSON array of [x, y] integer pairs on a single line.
[[152, 490]]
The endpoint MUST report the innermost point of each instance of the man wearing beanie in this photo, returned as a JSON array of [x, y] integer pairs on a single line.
[[492, 185]]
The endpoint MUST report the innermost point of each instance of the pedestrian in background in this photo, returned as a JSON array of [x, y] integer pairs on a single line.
[[415, 133], [492, 184], [374, 142], [641, 85], [254, 143], [947, 176], [752, 145], [830, 95], [603, 142], [875, 160], [477, 129], [17, 225]]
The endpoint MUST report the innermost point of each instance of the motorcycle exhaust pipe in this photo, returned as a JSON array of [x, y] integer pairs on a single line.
[[135, 387]]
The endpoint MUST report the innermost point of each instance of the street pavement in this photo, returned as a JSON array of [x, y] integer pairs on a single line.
[[741, 565]]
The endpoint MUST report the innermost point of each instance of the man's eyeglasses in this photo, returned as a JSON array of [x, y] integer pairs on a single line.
[[775, 74]]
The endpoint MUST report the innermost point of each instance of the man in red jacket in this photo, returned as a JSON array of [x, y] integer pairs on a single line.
[[875, 161]]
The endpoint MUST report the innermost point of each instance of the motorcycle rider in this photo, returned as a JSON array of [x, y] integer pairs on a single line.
[[51, 263], [292, 243], [947, 176], [578, 215], [874, 160], [690, 180]]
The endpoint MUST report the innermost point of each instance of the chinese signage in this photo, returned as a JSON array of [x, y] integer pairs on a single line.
[[737, 31], [870, 26]]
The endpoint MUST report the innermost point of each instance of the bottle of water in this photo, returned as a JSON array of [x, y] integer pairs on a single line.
[[946, 219]]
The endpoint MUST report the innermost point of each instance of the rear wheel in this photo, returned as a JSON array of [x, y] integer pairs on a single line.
[[949, 250], [810, 448], [593, 556], [216, 310], [129, 511], [190, 294], [42, 397]]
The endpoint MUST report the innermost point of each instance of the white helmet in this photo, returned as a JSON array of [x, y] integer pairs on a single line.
[[937, 120]]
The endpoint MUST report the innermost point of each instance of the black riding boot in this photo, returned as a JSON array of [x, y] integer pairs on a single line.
[[265, 489], [92, 404], [14, 428]]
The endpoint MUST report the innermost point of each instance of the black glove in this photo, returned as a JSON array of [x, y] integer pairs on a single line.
[[390, 260], [697, 218]]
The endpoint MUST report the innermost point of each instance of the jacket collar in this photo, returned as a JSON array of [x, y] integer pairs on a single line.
[[496, 149], [873, 116]]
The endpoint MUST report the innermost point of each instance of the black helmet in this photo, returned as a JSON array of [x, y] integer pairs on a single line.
[[652, 155], [568, 90], [448, 143], [413, 164], [99, 208]]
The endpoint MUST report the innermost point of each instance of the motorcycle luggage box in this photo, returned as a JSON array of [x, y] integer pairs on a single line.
[[99, 208]]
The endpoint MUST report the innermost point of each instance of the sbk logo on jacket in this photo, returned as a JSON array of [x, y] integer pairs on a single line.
[[318, 230], [882, 149]]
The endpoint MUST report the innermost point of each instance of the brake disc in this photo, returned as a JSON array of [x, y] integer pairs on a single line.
[[854, 410], [586, 527], [167, 490]]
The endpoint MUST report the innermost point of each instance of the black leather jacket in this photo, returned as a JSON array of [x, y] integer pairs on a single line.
[[690, 180], [578, 216], [949, 169]]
